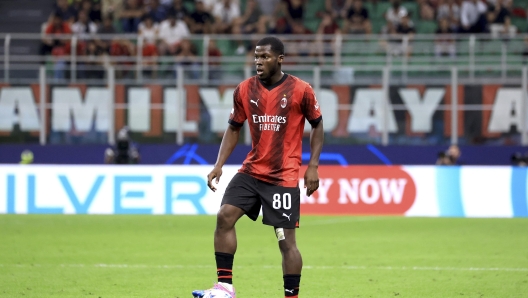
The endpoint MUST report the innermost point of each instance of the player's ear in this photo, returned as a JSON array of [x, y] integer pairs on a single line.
[[281, 58]]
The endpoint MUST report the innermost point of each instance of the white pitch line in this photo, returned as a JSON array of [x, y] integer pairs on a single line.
[[400, 268], [343, 220]]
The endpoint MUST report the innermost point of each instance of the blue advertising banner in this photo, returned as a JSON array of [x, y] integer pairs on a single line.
[[198, 154]]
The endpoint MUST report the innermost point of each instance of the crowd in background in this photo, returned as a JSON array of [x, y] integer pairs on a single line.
[[165, 25]]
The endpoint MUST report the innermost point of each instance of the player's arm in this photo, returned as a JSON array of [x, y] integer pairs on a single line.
[[312, 112], [311, 176], [229, 142], [230, 139]]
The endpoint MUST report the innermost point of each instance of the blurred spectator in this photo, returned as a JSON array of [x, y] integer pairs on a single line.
[[293, 11], [83, 26], [406, 29], [209, 5], [26, 157], [107, 27], [519, 160], [59, 47], [157, 11], [123, 48], [427, 9], [124, 152], [444, 41], [252, 15], [201, 20], [93, 10], [177, 9], [46, 42], [66, 12], [451, 11], [247, 24], [93, 62], [497, 12], [131, 16], [473, 16], [328, 26], [354, 25], [303, 46], [112, 8], [395, 13], [148, 30], [507, 30], [226, 13], [406, 26], [449, 158], [215, 55], [171, 32], [337, 9], [269, 8], [186, 57], [357, 21]]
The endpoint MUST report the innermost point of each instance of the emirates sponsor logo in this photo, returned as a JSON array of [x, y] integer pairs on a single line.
[[269, 122]]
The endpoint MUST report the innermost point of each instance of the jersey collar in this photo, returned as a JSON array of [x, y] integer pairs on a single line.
[[270, 87]]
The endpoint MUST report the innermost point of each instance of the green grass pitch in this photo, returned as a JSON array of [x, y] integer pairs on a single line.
[[169, 256]]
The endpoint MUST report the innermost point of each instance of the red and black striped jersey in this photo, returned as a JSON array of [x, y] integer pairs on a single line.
[[276, 116]]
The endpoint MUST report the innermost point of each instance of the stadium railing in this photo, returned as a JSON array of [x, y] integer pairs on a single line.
[[373, 89]]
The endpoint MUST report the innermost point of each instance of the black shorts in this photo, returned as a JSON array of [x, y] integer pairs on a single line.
[[281, 206]]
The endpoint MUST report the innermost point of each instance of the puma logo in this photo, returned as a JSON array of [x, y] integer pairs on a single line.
[[255, 102], [288, 216], [289, 291]]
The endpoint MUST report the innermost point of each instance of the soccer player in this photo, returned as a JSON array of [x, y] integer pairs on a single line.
[[276, 105]]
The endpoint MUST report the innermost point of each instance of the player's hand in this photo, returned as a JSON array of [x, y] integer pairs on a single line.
[[215, 173], [311, 180]]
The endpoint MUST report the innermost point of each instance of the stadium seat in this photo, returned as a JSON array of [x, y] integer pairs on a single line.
[[520, 23], [412, 9], [377, 11], [426, 27], [312, 24]]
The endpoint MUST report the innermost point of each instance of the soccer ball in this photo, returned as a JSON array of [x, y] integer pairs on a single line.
[[216, 294]]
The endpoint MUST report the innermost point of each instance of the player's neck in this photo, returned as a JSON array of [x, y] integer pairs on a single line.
[[273, 79]]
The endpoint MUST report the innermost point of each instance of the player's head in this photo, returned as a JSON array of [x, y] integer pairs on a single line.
[[269, 54]]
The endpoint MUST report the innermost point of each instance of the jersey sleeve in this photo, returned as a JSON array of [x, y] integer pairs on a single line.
[[310, 107], [238, 114]]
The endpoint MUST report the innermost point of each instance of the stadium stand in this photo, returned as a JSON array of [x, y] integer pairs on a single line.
[[366, 39]]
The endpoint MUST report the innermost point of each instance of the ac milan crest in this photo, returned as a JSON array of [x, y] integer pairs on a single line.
[[284, 101]]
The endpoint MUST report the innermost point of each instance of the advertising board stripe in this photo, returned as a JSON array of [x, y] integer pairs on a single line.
[[518, 192], [448, 191]]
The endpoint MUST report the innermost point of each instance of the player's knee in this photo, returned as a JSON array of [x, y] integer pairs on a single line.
[[288, 245], [224, 219]]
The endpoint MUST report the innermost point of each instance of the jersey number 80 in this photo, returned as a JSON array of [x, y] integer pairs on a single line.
[[285, 203]]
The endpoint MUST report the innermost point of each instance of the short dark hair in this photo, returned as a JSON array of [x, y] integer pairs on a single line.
[[276, 44]]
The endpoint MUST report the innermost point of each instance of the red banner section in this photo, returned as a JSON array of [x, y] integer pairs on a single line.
[[360, 190]]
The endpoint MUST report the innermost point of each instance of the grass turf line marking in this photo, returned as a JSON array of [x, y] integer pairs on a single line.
[[133, 266], [343, 220]]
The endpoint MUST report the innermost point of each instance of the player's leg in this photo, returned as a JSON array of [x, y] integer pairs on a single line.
[[239, 198], [291, 263], [225, 242], [281, 209]]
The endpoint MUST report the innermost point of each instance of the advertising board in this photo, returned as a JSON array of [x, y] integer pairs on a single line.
[[467, 191]]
